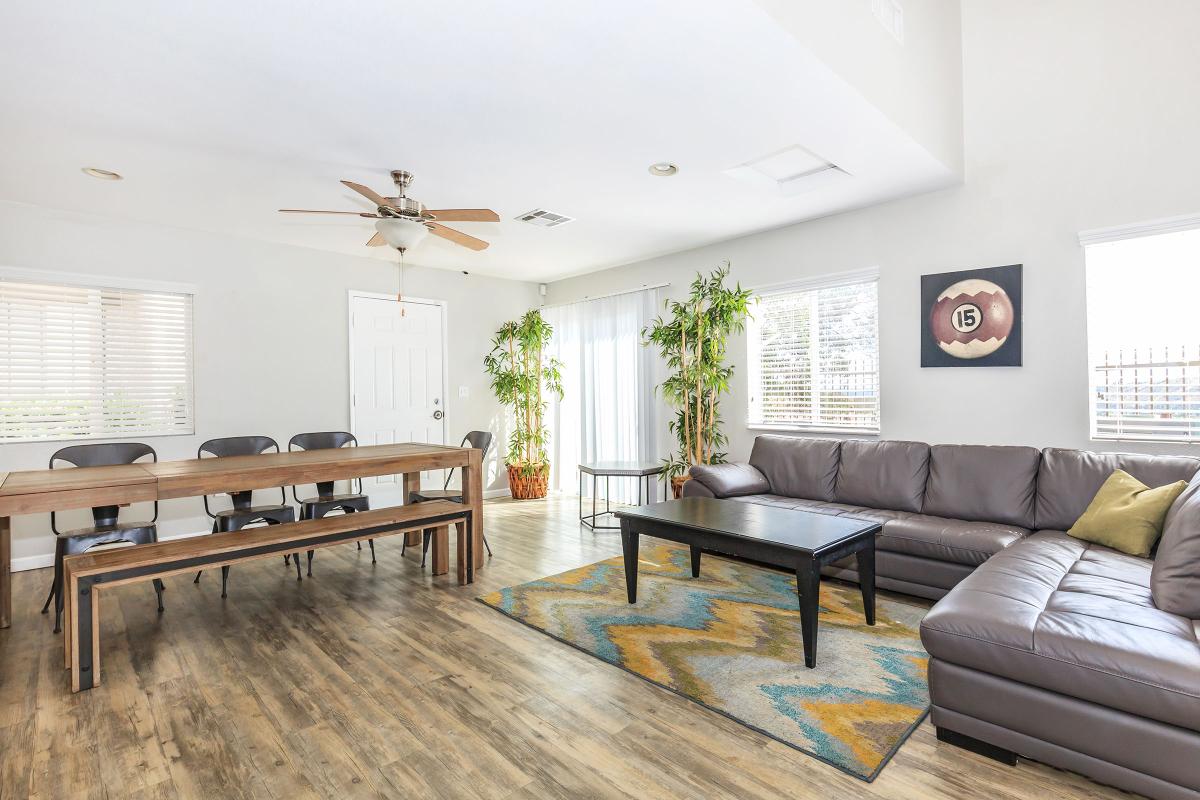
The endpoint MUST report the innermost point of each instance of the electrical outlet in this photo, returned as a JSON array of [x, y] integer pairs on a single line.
[[463, 393]]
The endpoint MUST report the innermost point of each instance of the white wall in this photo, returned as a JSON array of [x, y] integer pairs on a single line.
[[265, 316], [1078, 114]]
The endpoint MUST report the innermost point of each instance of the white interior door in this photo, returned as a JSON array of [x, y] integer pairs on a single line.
[[397, 381]]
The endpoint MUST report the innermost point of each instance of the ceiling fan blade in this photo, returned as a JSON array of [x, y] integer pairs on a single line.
[[458, 237], [369, 193], [312, 211], [464, 215], [376, 241]]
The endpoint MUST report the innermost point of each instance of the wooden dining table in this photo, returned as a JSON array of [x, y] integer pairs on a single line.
[[45, 490]]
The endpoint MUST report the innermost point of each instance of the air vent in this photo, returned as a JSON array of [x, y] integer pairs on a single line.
[[545, 219], [790, 171]]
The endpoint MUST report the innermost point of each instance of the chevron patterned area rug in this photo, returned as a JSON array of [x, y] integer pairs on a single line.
[[730, 640]]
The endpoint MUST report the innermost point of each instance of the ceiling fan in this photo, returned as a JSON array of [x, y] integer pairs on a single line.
[[402, 222]]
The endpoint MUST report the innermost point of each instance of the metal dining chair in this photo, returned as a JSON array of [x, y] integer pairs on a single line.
[[481, 440], [107, 529], [327, 500], [244, 512]]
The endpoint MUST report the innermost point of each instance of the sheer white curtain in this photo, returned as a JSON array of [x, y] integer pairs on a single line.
[[609, 410]]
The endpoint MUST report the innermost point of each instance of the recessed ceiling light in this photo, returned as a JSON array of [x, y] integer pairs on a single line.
[[102, 174], [662, 169]]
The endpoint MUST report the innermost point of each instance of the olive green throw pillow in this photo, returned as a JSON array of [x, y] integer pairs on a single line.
[[1126, 514]]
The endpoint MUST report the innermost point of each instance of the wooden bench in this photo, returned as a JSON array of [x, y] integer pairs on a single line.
[[85, 574]]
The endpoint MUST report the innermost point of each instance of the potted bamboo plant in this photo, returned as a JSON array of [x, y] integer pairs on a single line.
[[522, 378], [691, 339]]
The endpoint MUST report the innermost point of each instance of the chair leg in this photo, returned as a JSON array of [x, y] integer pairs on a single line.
[[359, 545], [371, 542], [158, 590], [296, 561], [488, 546], [224, 580], [56, 583], [58, 609], [426, 536], [310, 557], [287, 559], [198, 574]]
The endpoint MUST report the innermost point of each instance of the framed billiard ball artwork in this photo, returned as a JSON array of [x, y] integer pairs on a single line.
[[971, 318]]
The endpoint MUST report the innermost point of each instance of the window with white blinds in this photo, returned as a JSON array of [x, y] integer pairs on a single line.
[[814, 357], [1143, 338], [85, 362]]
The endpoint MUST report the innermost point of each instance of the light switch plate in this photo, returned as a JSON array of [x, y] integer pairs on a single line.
[[463, 392]]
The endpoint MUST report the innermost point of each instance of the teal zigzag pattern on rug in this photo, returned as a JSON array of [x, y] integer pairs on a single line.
[[730, 640]]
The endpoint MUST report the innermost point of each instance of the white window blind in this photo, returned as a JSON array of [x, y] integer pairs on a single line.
[[1143, 339], [814, 358], [84, 362]]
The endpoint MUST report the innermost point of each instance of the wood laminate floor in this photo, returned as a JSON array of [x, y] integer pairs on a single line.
[[380, 681]]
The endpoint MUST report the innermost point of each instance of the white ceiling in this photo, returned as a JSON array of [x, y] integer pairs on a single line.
[[219, 112]]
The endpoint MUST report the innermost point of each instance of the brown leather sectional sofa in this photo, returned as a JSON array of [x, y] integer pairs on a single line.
[[1041, 645]]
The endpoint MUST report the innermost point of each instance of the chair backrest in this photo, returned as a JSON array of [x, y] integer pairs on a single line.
[[102, 455], [480, 440], [239, 446], [322, 440]]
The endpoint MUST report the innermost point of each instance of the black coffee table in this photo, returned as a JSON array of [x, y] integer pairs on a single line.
[[800, 540]]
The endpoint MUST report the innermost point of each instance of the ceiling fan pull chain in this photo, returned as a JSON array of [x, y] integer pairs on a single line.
[[400, 281]]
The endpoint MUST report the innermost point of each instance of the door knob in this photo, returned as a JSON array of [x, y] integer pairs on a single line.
[[437, 414]]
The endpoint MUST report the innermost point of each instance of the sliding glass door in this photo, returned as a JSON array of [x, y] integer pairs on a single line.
[[609, 410]]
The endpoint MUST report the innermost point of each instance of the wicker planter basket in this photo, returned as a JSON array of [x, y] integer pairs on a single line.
[[677, 485], [527, 487]]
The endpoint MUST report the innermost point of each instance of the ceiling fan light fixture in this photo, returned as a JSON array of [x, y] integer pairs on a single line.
[[401, 233], [103, 174], [663, 168]]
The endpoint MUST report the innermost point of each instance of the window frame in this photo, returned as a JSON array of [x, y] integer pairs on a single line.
[[1119, 233], [77, 280], [754, 364]]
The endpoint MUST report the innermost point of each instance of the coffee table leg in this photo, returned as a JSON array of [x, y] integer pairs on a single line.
[[808, 589], [629, 545], [866, 579], [695, 562]]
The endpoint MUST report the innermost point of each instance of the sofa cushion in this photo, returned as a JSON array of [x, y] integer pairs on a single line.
[[1069, 479], [916, 573], [888, 475], [730, 480], [1175, 578], [797, 466], [983, 483], [938, 538], [1074, 618], [948, 539], [794, 503]]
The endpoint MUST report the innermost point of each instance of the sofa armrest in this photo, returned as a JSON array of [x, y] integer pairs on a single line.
[[730, 480], [695, 488]]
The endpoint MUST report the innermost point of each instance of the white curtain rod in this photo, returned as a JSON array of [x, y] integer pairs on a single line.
[[586, 298]]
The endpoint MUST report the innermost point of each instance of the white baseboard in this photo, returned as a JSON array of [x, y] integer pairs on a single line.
[[33, 562], [492, 494]]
